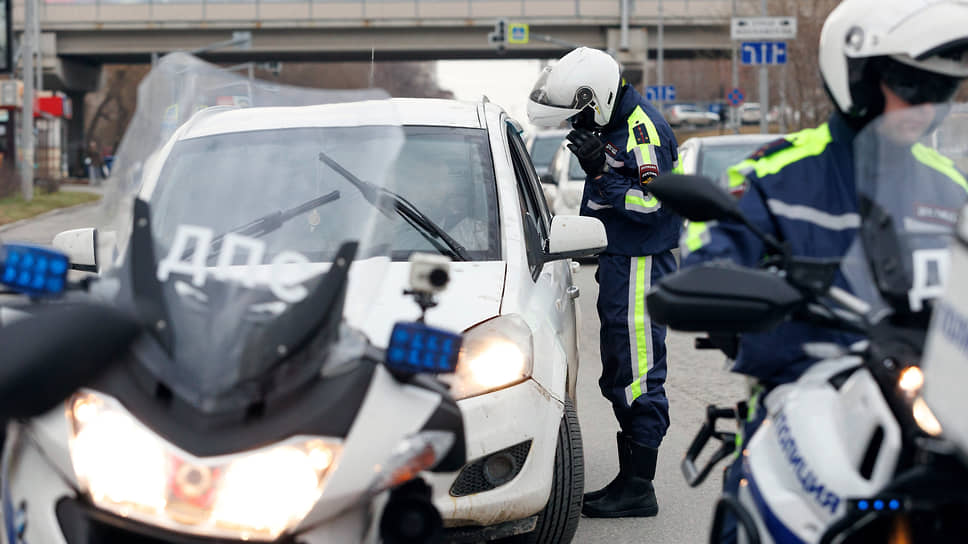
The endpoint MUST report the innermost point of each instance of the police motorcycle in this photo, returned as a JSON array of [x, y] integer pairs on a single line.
[[252, 407], [852, 451]]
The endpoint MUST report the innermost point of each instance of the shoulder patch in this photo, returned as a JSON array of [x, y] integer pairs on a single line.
[[776, 145], [641, 134]]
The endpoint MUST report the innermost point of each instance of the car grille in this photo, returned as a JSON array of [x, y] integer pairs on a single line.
[[474, 478]]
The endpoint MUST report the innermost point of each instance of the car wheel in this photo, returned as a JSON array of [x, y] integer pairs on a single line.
[[558, 521]]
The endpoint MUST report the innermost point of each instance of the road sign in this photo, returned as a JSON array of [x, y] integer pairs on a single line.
[[665, 93], [758, 53], [763, 28], [735, 96], [518, 33]]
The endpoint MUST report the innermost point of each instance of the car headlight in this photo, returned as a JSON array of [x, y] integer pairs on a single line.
[[494, 355], [126, 469]]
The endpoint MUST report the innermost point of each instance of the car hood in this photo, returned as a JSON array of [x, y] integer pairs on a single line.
[[474, 294]]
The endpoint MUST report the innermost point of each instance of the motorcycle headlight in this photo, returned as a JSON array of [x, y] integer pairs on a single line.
[[129, 471], [494, 355], [924, 417]]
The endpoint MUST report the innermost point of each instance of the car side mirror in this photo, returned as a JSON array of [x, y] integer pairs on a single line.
[[547, 178], [80, 245], [574, 236]]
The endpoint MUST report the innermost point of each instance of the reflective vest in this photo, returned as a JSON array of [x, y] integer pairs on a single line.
[[639, 145], [806, 181]]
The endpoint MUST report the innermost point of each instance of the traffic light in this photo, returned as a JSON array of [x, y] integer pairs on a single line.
[[499, 36]]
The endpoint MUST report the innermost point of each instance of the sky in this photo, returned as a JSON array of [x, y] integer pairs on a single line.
[[504, 82]]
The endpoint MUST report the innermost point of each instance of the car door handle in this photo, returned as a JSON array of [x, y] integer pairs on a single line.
[[573, 291]]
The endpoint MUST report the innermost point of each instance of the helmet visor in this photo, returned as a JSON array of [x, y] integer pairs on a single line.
[[916, 86], [583, 95]]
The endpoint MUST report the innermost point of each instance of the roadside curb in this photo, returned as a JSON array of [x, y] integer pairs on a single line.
[[15, 224]]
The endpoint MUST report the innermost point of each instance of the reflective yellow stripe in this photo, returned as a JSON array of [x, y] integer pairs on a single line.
[[735, 173], [694, 232], [639, 117], [639, 201], [806, 143], [939, 162], [640, 332]]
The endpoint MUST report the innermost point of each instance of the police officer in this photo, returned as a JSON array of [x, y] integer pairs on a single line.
[[876, 57], [622, 143]]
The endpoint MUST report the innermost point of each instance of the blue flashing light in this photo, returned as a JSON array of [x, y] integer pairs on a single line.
[[862, 505], [34, 270], [878, 505], [894, 504], [416, 348]]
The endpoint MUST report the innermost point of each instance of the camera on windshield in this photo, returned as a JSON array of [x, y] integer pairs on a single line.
[[429, 273]]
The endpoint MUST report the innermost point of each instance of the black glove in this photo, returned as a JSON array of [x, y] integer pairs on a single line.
[[589, 149]]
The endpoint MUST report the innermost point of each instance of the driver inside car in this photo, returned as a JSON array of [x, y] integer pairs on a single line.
[[801, 188]]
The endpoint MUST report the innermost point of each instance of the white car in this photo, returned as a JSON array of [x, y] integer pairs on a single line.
[[711, 156], [678, 115], [466, 168], [568, 180]]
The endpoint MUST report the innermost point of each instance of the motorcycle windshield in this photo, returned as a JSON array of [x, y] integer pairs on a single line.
[[910, 188], [234, 204]]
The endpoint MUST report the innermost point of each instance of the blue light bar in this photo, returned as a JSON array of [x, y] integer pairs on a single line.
[[33, 270], [862, 505], [894, 504], [878, 505], [416, 348]]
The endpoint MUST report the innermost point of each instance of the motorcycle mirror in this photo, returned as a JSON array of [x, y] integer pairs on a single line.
[[49, 355], [696, 198]]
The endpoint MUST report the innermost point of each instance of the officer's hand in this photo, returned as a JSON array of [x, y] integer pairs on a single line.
[[589, 149]]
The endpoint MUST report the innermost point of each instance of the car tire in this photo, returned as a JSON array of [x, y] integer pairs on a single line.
[[558, 521]]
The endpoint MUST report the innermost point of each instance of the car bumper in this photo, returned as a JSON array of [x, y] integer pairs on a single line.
[[495, 422]]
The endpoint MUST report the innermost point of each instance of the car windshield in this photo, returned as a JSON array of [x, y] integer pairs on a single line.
[[445, 172], [543, 150]]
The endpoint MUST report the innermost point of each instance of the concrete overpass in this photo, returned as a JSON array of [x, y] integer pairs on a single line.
[[80, 35]]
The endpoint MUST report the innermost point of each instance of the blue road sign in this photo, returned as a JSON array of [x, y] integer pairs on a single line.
[[758, 53], [735, 97], [666, 93]]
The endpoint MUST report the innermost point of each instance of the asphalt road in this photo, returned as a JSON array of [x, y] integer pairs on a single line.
[[695, 379]]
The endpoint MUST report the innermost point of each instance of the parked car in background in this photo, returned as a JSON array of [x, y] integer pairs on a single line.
[[750, 112], [678, 115], [564, 183], [710, 156], [542, 146]]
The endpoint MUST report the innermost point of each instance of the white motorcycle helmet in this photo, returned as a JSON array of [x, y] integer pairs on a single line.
[[584, 78], [918, 48]]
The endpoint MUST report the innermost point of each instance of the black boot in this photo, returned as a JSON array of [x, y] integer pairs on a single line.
[[624, 451], [632, 495]]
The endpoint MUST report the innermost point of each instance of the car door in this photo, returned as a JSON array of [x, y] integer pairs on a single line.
[[551, 302]]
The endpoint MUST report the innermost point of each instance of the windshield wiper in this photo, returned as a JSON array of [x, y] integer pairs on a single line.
[[387, 201], [268, 223]]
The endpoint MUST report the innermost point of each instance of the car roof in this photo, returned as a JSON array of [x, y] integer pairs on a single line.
[[402, 111]]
